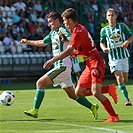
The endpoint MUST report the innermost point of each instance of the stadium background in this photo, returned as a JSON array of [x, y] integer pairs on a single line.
[[25, 62]]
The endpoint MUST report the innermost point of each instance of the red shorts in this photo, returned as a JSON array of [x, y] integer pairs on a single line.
[[94, 72]]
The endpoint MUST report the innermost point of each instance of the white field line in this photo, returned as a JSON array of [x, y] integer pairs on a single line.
[[98, 129], [83, 126]]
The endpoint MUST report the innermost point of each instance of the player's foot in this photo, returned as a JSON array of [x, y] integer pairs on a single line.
[[112, 92], [128, 103], [113, 119], [94, 111], [32, 113]]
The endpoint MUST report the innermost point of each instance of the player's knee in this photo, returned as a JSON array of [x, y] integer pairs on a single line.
[[39, 84], [119, 79]]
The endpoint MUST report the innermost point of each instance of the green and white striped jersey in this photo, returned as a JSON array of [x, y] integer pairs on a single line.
[[114, 38], [57, 45]]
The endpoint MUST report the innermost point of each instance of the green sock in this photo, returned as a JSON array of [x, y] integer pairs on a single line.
[[83, 101], [123, 90], [38, 97]]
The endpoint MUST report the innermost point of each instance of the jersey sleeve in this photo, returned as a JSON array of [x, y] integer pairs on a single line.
[[47, 39], [103, 35], [127, 31], [65, 32]]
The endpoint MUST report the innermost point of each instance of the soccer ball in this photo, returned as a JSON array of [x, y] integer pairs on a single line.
[[7, 98]]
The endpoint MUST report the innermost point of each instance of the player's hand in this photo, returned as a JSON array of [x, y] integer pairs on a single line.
[[48, 64], [125, 44], [63, 38], [23, 41], [105, 50]]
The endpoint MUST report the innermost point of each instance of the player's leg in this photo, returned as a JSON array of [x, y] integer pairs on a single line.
[[120, 69], [86, 91], [96, 89], [121, 85], [97, 70], [110, 89], [39, 95], [82, 101], [80, 91], [49, 78]]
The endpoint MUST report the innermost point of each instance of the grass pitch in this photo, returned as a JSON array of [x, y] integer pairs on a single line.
[[59, 114]]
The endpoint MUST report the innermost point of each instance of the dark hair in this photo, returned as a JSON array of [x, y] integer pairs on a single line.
[[55, 15], [70, 13]]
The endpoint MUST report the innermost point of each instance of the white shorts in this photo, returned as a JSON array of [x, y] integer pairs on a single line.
[[121, 64], [61, 76]]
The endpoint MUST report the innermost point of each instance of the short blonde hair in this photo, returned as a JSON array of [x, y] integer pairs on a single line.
[[111, 10]]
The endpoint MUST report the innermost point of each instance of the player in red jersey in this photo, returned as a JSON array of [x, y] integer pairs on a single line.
[[92, 77]]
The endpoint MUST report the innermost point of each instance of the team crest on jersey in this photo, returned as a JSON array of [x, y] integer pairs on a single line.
[[115, 39], [95, 73]]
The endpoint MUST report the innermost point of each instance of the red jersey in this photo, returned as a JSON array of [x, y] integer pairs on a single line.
[[82, 41]]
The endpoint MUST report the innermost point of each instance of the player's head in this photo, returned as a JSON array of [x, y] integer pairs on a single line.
[[54, 20], [111, 15], [70, 13], [69, 16]]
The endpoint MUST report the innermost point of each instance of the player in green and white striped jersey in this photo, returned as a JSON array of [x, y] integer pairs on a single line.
[[114, 40], [61, 73]]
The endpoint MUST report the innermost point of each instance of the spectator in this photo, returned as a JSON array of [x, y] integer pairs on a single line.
[[46, 6], [9, 43], [94, 5], [90, 26], [20, 5], [38, 7], [105, 5], [15, 17], [102, 14], [115, 6], [32, 27], [33, 15], [2, 28]]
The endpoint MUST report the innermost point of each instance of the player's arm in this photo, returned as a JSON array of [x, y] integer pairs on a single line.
[[102, 41], [104, 48], [127, 42], [33, 42], [61, 56], [64, 34], [128, 34]]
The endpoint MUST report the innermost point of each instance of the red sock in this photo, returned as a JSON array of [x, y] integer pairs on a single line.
[[108, 107], [104, 90]]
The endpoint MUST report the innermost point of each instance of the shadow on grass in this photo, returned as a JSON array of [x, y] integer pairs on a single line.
[[123, 121], [51, 120], [34, 120]]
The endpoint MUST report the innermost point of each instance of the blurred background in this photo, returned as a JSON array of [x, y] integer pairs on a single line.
[[27, 19]]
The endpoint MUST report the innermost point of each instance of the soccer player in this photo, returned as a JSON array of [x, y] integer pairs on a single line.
[[82, 44], [61, 73], [114, 40]]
